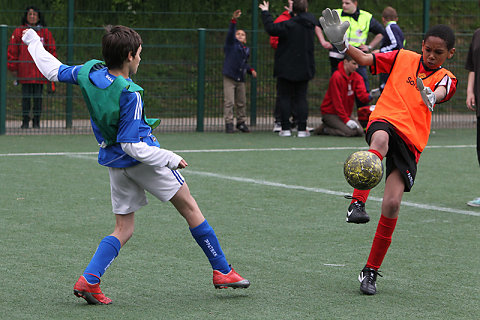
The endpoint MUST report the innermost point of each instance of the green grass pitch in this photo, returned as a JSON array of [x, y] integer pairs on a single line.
[[277, 207]]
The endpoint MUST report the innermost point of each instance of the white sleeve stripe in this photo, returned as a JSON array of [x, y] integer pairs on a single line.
[[138, 107], [392, 38]]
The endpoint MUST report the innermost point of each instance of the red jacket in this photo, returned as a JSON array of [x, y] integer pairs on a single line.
[[283, 17], [20, 60], [341, 92]]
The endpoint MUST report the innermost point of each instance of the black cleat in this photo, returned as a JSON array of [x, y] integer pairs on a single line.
[[356, 213], [368, 281]]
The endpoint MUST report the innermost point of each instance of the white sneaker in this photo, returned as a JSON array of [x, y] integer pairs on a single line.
[[303, 134], [285, 133], [310, 129], [474, 203], [277, 127]]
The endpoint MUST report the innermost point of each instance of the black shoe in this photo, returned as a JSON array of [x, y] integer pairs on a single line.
[[356, 213], [36, 122], [229, 128], [368, 280], [242, 127], [24, 124]]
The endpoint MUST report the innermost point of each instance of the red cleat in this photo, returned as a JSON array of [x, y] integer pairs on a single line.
[[229, 280], [90, 292]]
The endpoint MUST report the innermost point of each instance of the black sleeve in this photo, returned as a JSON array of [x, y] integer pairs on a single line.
[[376, 27], [273, 29]]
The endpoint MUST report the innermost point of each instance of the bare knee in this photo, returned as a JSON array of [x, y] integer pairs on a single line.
[[391, 206]]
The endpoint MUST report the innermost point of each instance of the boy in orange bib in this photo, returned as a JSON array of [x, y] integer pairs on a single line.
[[399, 127]]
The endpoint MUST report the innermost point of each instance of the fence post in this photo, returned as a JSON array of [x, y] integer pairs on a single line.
[[201, 80], [253, 83], [426, 15], [69, 93], [3, 77]]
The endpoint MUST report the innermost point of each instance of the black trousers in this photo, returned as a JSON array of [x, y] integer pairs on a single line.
[[32, 91], [292, 96]]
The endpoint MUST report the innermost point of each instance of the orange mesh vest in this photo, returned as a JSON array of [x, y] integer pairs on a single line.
[[401, 104]]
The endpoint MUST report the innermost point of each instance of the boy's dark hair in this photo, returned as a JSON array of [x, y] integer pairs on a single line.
[[117, 43], [299, 6], [443, 32], [40, 16], [389, 14]]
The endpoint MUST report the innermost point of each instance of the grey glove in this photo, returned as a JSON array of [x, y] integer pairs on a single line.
[[427, 94], [335, 29]]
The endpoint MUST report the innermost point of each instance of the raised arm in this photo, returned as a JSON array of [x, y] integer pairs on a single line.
[[45, 61], [336, 30]]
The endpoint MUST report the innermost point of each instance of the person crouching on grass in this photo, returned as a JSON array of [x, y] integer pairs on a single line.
[[399, 127], [135, 161]]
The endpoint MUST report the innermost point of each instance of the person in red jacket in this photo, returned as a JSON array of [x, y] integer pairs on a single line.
[[21, 64], [337, 106]]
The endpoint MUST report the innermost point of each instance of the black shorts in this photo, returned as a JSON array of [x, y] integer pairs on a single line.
[[398, 155]]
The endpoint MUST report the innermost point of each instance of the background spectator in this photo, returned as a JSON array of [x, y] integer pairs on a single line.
[[21, 64], [294, 62], [235, 67]]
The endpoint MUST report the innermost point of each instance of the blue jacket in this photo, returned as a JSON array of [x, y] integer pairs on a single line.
[[393, 38], [235, 65]]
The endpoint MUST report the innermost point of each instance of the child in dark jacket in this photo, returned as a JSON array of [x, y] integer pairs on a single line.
[[235, 67]]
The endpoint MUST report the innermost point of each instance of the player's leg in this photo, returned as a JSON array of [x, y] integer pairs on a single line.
[[392, 197], [379, 144], [127, 197], [88, 285], [223, 275]]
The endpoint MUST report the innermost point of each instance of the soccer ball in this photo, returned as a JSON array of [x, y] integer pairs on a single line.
[[363, 170]]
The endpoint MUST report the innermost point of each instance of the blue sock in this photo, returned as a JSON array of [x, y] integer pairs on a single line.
[[106, 252], [207, 240]]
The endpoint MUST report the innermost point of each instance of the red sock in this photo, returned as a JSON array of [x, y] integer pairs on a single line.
[[381, 242], [360, 195], [375, 152]]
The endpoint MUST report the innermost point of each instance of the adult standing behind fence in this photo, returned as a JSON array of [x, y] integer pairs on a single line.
[[473, 90], [294, 62], [235, 67], [21, 64], [361, 24], [287, 15]]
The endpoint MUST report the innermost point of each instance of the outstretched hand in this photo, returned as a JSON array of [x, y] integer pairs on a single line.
[[264, 6], [237, 14], [428, 96], [335, 29], [29, 35]]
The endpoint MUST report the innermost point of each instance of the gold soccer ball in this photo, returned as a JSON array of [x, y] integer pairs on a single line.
[[363, 170]]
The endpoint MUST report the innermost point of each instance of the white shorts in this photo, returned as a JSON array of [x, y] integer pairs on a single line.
[[128, 186]]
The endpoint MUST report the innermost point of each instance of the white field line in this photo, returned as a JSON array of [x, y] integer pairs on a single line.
[[269, 183], [331, 192], [222, 150]]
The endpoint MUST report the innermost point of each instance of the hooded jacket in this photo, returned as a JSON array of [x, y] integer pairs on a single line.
[[294, 57]]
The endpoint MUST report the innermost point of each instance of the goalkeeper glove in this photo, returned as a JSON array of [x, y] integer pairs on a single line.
[[335, 29], [428, 96]]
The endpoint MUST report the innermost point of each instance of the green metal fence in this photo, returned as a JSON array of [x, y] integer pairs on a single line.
[[181, 72]]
